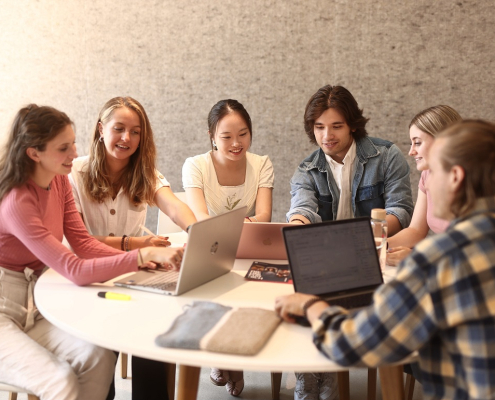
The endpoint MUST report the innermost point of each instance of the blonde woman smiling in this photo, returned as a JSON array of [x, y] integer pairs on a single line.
[[113, 187], [422, 130]]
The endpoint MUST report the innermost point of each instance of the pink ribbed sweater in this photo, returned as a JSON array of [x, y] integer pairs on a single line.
[[33, 222]]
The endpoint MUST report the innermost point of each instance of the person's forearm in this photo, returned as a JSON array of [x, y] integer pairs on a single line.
[[299, 219], [261, 217], [201, 215], [112, 241], [183, 217], [393, 224], [407, 237], [118, 242]]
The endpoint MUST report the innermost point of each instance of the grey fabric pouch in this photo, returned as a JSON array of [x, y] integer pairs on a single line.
[[189, 327], [213, 327]]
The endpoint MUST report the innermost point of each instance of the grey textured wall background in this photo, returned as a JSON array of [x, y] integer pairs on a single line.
[[178, 58]]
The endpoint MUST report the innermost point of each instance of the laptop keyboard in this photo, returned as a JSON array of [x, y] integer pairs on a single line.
[[162, 281], [360, 300]]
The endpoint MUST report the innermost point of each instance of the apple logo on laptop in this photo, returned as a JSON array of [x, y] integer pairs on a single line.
[[214, 248], [267, 242]]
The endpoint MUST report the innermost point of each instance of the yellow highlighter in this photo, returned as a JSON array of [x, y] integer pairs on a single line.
[[114, 296]]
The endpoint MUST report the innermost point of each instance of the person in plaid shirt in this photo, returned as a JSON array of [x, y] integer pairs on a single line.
[[442, 300]]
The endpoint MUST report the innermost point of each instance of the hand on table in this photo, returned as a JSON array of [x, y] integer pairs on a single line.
[[396, 254]]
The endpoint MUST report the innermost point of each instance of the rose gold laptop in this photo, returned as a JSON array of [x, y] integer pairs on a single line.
[[262, 240]]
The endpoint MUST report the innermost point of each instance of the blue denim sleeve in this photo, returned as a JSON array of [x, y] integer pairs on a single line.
[[397, 195], [303, 200]]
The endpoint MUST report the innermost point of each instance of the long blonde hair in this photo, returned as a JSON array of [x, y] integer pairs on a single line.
[[138, 179], [33, 126], [435, 119]]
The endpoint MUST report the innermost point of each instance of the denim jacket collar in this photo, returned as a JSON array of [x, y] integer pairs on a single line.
[[365, 149]]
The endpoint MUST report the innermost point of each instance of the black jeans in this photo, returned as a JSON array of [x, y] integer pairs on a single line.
[[149, 380]]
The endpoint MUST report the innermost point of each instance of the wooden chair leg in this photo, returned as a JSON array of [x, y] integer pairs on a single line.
[[187, 388], [372, 383], [343, 380], [170, 377], [276, 378], [409, 389], [33, 397], [123, 365], [392, 382]]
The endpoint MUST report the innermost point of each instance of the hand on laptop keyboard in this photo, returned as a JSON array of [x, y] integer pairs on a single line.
[[170, 256]]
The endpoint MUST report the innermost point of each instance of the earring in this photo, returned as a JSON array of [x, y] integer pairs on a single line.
[[100, 139], [214, 145]]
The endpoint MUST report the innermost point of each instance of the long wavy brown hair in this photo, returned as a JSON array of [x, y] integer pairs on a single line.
[[33, 126], [138, 179]]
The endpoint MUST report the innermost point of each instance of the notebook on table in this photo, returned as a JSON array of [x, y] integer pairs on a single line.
[[210, 252], [262, 240], [335, 260]]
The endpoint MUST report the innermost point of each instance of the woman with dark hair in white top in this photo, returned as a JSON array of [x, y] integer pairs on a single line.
[[226, 178]]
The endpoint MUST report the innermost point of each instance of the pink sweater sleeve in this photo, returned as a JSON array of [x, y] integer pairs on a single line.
[[38, 219]]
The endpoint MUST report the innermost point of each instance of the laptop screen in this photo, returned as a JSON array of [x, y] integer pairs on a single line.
[[332, 256]]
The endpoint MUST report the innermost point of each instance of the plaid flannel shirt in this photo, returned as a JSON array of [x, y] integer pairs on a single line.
[[441, 303]]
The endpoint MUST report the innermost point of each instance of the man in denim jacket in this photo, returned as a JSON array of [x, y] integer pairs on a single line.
[[348, 176], [351, 173]]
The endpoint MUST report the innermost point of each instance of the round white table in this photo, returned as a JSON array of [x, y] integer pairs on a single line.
[[132, 326]]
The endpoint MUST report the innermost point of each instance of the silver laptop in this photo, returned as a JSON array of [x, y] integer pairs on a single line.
[[335, 260], [262, 240], [210, 252]]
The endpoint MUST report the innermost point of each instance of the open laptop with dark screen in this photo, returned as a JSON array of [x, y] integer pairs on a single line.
[[334, 260]]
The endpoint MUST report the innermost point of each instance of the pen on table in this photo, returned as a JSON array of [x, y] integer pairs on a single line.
[[114, 296]]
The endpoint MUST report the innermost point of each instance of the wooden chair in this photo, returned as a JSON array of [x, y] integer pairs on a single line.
[[13, 390]]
